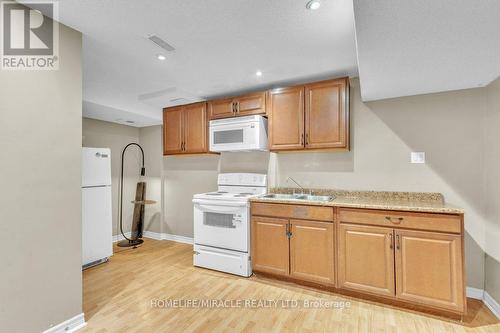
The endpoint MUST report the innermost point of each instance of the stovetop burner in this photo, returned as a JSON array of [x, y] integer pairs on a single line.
[[216, 193]]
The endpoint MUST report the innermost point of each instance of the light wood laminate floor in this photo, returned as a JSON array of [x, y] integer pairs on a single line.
[[117, 297]]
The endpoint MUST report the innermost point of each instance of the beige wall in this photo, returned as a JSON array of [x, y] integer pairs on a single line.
[[102, 134], [40, 201], [184, 176], [150, 139], [492, 189]]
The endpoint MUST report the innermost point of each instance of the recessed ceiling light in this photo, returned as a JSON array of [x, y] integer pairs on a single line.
[[313, 4], [161, 57], [258, 73]]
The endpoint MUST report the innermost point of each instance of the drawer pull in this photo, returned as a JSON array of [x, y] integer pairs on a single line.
[[394, 220]]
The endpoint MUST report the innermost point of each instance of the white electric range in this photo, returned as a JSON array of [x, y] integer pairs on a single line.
[[222, 223]]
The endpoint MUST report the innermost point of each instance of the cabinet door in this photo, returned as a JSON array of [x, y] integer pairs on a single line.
[[429, 269], [195, 128], [286, 118], [366, 259], [311, 251], [172, 130], [251, 104], [270, 246], [327, 115], [221, 108]]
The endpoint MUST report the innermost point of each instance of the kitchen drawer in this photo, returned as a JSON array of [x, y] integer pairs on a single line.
[[396, 219], [293, 211]]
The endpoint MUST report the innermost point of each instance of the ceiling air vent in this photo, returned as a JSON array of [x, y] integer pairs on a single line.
[[161, 43]]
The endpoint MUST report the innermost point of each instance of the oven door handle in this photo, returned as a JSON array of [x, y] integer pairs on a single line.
[[219, 207], [220, 203]]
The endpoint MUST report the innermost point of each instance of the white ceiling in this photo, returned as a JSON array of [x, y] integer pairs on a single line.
[[220, 44], [409, 47], [403, 47]]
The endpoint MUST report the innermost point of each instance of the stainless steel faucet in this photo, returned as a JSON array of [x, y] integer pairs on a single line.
[[295, 182]]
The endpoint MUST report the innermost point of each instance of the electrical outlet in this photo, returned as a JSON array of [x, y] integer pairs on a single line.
[[417, 157]]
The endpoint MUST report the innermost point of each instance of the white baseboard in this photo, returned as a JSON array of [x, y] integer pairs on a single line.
[[68, 326], [177, 238], [153, 235], [482, 295], [492, 304], [158, 236], [474, 293]]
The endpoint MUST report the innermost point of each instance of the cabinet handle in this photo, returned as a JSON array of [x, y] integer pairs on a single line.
[[288, 232], [397, 242], [394, 220], [237, 106], [302, 139], [391, 246], [307, 138]]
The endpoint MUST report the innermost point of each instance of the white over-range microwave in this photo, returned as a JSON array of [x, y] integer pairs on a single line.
[[238, 134]]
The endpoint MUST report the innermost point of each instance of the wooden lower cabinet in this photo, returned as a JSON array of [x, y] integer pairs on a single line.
[[270, 245], [366, 259], [410, 258], [429, 269], [311, 251], [418, 267]]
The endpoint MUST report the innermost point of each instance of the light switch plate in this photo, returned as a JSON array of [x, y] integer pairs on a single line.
[[417, 157]]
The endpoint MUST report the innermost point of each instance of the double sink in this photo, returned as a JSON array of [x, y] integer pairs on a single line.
[[299, 197]]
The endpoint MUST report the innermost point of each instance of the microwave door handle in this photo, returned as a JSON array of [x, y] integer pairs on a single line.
[[230, 127]]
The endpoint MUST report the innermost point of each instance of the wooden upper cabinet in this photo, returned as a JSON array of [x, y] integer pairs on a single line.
[[185, 129], [366, 259], [286, 118], [246, 105], [313, 116], [173, 135], [327, 114], [429, 269], [195, 128], [312, 251], [270, 245], [221, 108], [251, 104]]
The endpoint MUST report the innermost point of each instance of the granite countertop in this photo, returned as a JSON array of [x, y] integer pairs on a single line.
[[401, 201]]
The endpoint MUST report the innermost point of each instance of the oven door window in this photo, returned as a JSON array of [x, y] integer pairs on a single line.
[[228, 136], [220, 220]]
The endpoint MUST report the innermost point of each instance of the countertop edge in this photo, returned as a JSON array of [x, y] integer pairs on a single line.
[[388, 206]]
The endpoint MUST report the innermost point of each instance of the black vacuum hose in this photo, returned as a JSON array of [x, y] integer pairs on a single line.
[[143, 173]]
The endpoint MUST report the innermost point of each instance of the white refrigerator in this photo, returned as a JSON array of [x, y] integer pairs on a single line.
[[97, 239]]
